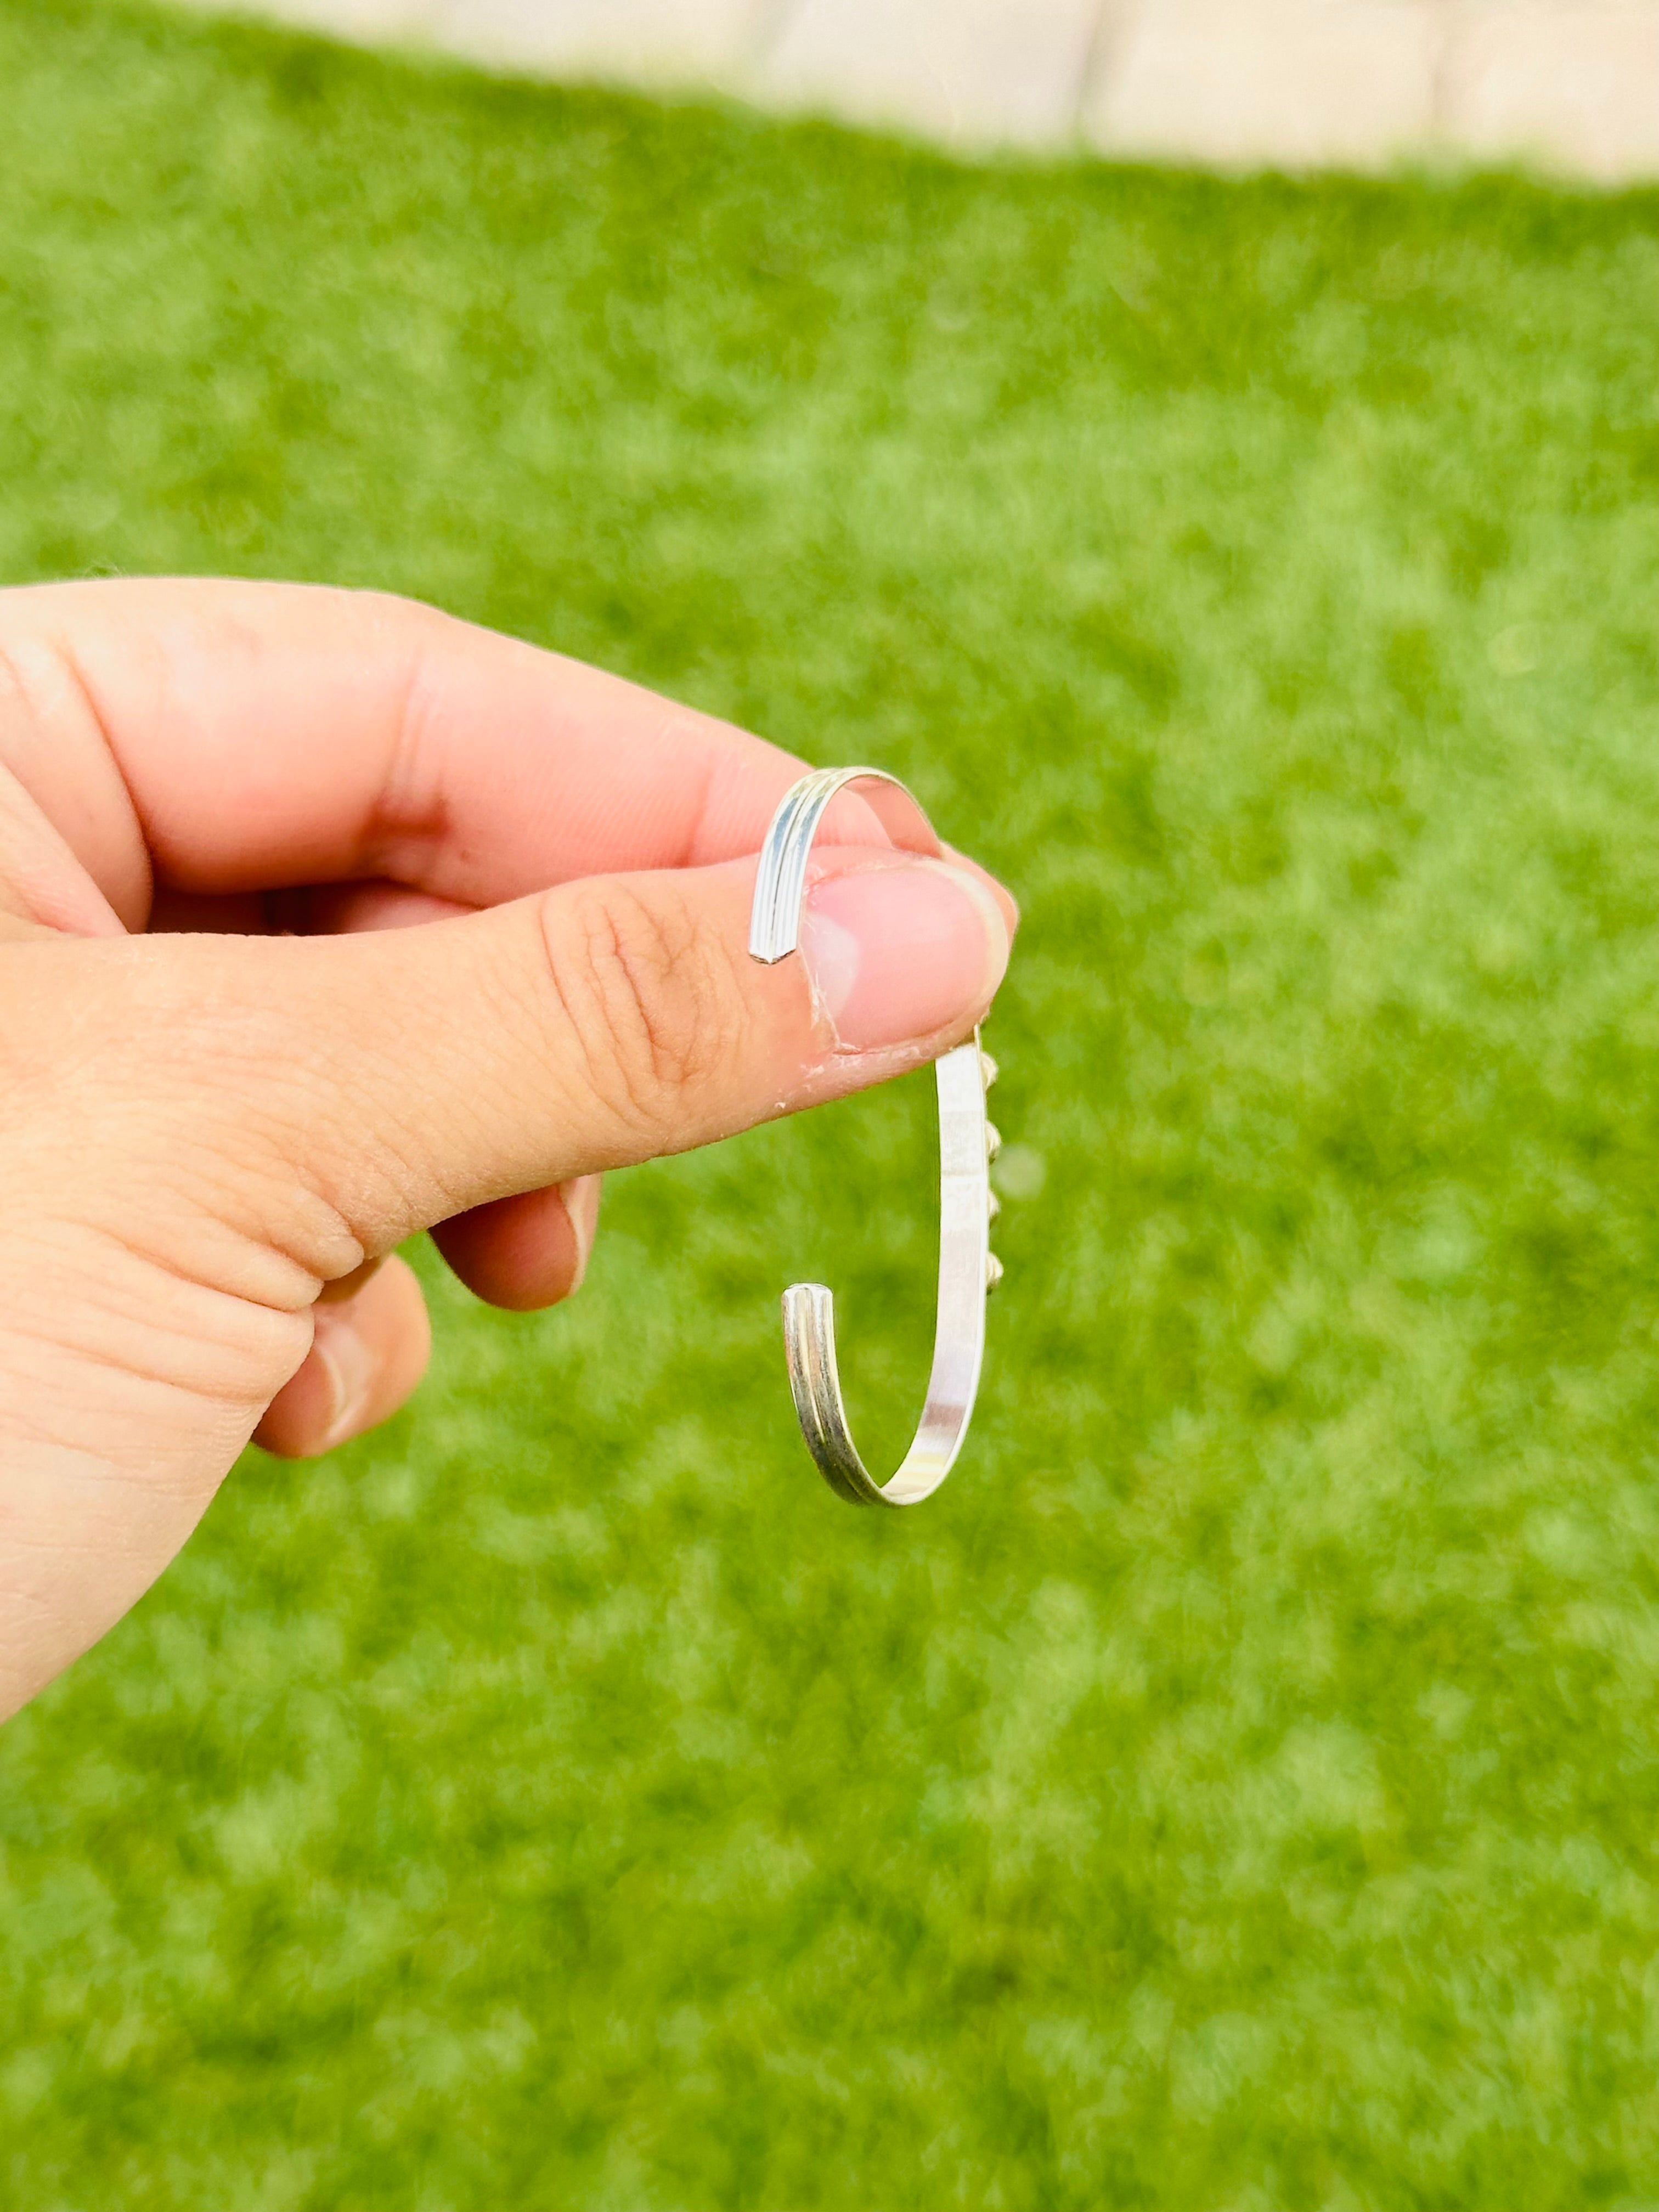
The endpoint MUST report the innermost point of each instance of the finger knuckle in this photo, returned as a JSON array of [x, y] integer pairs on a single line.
[[649, 999]]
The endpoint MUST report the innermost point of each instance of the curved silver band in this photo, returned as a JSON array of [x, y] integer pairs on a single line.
[[966, 1143], [781, 883]]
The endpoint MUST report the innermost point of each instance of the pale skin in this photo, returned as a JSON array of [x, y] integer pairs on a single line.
[[234, 1074]]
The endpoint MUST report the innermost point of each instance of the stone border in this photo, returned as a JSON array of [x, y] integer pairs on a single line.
[[1571, 85]]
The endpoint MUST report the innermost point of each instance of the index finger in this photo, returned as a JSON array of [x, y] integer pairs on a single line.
[[231, 736]]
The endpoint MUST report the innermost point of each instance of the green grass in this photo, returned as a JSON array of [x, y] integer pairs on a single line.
[[1240, 1789]]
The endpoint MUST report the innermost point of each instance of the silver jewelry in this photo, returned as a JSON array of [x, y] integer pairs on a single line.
[[967, 1269]]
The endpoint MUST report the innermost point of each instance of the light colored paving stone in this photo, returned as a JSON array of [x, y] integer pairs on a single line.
[[964, 71], [641, 41], [1297, 82], [1573, 86], [1572, 83]]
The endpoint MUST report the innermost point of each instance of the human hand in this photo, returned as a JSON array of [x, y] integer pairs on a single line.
[[232, 1078]]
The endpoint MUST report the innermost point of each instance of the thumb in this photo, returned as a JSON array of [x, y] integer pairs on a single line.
[[407, 1076]]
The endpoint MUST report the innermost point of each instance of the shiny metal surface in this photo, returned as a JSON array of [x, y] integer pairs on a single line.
[[967, 1268], [780, 885]]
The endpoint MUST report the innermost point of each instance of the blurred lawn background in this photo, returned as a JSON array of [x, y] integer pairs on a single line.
[[1240, 1789]]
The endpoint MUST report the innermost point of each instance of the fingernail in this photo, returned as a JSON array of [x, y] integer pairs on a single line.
[[899, 952], [961, 859], [581, 1204], [350, 1364]]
